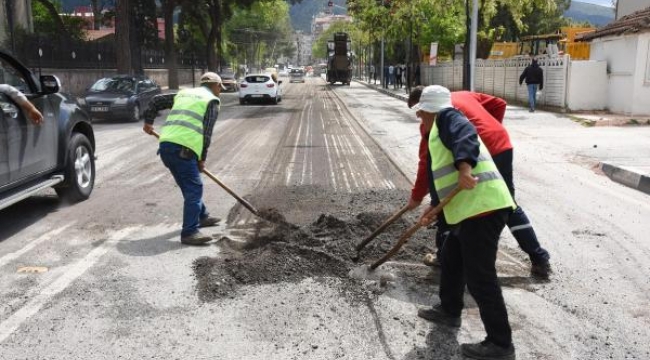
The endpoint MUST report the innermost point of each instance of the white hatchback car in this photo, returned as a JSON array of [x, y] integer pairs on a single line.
[[261, 88]]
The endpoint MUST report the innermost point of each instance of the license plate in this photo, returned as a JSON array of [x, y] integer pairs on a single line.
[[256, 95], [99, 108]]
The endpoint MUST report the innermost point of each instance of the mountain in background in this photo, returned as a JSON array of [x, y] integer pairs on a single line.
[[302, 13], [597, 15]]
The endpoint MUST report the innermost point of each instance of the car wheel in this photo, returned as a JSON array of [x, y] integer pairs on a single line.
[[242, 101], [135, 115], [79, 170], [275, 100]]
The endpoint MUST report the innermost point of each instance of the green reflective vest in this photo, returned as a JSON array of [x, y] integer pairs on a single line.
[[184, 124], [491, 193]]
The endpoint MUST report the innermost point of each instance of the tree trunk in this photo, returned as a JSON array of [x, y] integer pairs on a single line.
[[135, 43], [97, 13], [170, 52], [211, 42], [122, 38]]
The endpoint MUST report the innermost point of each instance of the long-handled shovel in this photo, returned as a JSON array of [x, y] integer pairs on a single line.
[[379, 230], [404, 238], [241, 200]]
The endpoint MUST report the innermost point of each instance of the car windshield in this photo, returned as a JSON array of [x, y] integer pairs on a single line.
[[113, 85], [257, 79]]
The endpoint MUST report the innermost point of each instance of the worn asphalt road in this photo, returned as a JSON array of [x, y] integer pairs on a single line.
[[119, 285]]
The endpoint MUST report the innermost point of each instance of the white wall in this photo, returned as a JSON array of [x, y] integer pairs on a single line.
[[618, 52], [587, 85], [641, 96]]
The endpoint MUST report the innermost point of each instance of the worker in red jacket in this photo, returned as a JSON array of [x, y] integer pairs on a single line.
[[486, 113]]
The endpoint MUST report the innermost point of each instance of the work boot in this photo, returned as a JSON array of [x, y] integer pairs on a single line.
[[540, 270], [438, 315], [209, 221], [485, 350], [198, 238]]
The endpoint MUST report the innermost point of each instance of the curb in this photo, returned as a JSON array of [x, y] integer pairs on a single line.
[[626, 176]]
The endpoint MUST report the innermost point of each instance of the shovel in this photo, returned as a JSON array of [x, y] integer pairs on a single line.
[[379, 230], [404, 238], [241, 200]]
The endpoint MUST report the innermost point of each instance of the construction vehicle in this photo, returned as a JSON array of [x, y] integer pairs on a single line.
[[339, 59], [559, 43]]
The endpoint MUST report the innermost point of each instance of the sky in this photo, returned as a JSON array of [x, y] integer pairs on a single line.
[[597, 2]]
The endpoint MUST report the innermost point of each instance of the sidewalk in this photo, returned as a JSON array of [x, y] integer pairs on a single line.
[[627, 158]]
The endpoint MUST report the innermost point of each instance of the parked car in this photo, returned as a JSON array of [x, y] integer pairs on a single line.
[[297, 75], [260, 87], [119, 97], [58, 153], [229, 81]]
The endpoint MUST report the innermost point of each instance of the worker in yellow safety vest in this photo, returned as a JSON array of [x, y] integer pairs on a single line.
[[184, 142], [476, 216]]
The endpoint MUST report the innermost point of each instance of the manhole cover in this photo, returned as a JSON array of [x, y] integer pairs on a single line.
[[32, 269]]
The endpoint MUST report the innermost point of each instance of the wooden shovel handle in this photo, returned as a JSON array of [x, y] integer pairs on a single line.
[[241, 200], [382, 227], [404, 238]]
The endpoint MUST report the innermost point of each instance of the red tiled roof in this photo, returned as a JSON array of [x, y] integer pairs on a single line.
[[633, 23]]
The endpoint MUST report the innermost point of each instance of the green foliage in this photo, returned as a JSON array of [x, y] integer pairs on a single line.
[[47, 27], [260, 33]]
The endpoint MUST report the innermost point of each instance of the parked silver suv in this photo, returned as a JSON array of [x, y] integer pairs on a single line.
[[58, 153]]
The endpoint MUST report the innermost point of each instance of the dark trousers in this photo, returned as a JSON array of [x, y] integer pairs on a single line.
[[518, 223], [469, 258], [187, 176]]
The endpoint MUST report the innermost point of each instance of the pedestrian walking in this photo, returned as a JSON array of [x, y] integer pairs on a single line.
[[386, 77], [486, 113], [184, 141], [398, 77], [372, 74], [534, 77], [476, 217], [391, 75]]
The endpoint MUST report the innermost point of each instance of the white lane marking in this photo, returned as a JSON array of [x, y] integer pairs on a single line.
[[48, 235], [329, 162], [289, 170], [11, 324]]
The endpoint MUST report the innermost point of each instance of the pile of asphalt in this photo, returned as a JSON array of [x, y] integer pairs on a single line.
[[281, 251]]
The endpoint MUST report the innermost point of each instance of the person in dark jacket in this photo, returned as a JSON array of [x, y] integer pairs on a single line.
[[534, 77], [486, 113], [476, 215]]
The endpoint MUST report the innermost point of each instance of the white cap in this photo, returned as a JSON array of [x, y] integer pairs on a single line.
[[433, 99], [211, 78]]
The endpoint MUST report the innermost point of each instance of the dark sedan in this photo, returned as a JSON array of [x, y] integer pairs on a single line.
[[119, 97]]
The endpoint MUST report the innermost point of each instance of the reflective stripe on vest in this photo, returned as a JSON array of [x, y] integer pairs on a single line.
[[184, 124], [491, 192]]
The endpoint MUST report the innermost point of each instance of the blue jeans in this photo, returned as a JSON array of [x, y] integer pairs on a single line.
[[532, 95], [187, 176]]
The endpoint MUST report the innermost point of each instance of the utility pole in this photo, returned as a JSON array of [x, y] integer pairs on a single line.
[[473, 41], [382, 53]]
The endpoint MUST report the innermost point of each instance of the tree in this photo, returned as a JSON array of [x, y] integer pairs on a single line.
[[123, 36], [168, 7], [49, 23], [209, 16]]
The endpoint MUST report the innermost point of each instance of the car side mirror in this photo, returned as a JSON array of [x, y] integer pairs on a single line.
[[50, 84]]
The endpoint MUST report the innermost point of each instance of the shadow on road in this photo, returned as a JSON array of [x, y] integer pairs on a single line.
[[25, 213], [441, 343], [151, 246]]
